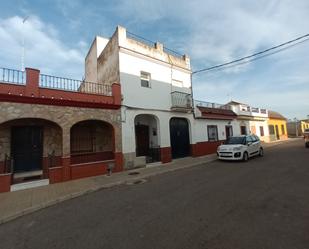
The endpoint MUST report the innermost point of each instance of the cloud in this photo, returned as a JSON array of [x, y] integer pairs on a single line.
[[43, 48]]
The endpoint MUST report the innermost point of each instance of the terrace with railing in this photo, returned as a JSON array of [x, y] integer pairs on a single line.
[[152, 44], [211, 105], [66, 84], [12, 76], [30, 83], [211, 110]]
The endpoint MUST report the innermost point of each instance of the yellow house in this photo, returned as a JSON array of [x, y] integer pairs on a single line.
[[304, 124], [276, 126]]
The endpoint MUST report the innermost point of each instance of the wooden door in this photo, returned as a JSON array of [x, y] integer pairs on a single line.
[[27, 148], [179, 135], [142, 140]]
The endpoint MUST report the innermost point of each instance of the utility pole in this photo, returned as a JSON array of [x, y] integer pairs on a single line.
[[296, 128], [23, 45]]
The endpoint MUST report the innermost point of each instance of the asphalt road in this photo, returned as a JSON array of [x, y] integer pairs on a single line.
[[261, 204]]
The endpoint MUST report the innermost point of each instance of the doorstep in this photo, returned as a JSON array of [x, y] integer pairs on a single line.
[[27, 185]]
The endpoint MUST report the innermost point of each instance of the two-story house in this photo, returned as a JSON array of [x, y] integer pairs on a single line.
[[156, 112], [252, 120]]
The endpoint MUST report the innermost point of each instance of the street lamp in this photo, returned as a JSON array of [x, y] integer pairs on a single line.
[[23, 45]]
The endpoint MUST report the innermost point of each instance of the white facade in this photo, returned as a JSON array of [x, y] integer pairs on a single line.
[[255, 119], [156, 88]]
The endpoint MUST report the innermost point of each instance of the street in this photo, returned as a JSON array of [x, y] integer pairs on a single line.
[[263, 203]]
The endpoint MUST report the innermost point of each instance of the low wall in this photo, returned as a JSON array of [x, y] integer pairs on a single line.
[[5, 182], [205, 148]]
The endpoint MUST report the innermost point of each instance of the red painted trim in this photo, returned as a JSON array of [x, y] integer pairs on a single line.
[[92, 157], [205, 148], [166, 154], [118, 162], [55, 174], [89, 169], [32, 94], [56, 102], [5, 183], [220, 117]]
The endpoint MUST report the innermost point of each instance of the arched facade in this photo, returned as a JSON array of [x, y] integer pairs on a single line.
[[52, 127], [91, 141]]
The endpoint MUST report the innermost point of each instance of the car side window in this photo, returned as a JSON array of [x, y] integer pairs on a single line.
[[249, 139], [254, 139], [257, 138]]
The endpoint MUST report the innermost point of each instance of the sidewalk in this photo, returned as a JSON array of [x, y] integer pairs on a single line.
[[18, 203]]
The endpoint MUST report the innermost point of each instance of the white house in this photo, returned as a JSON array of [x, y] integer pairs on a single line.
[[157, 115], [156, 88], [252, 120]]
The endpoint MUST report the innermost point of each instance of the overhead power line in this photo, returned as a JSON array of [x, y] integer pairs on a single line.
[[255, 56]]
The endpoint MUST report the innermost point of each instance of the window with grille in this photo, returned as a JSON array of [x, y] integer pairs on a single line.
[[82, 139], [212, 132]]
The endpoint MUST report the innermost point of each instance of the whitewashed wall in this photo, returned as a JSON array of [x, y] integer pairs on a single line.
[[158, 96]]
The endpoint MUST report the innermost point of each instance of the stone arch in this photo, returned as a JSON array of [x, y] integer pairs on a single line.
[[92, 140], [147, 136], [14, 136]]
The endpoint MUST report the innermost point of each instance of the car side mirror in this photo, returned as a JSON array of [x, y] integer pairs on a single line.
[[249, 143]]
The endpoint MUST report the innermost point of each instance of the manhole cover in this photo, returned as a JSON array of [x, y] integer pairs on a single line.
[[133, 173], [135, 182]]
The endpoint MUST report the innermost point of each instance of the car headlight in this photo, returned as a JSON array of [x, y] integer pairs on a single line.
[[237, 148]]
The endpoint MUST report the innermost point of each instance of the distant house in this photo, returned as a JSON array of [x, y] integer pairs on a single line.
[[296, 128], [251, 120], [277, 126]]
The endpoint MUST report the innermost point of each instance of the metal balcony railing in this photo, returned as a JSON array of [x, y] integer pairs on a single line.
[[12, 76], [59, 83], [181, 100], [212, 105]]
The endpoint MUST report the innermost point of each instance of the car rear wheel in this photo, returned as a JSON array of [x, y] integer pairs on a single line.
[[245, 157], [261, 152]]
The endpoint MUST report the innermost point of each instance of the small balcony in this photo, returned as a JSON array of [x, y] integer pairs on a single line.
[[181, 101], [30, 86]]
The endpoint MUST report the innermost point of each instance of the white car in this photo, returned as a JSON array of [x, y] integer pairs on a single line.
[[240, 148]]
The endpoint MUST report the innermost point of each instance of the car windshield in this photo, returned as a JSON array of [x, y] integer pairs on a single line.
[[235, 140]]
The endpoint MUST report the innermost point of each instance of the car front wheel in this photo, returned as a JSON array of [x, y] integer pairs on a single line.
[[261, 152], [245, 157]]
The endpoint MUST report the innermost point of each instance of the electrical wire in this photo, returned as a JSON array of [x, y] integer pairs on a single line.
[[255, 54], [259, 57]]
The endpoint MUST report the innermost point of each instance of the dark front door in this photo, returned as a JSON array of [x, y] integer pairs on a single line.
[[243, 130], [27, 148], [179, 134], [228, 131], [277, 132], [142, 140]]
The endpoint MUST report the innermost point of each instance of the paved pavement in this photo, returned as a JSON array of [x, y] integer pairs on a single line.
[[16, 204], [259, 204]]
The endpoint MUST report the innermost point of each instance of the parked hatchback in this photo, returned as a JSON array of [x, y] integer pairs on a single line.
[[240, 148]]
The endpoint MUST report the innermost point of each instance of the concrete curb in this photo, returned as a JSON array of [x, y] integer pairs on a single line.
[[166, 169]]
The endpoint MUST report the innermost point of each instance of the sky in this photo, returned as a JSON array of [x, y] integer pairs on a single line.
[[58, 34]]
